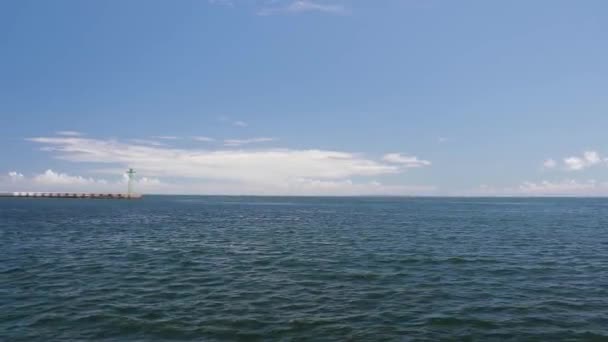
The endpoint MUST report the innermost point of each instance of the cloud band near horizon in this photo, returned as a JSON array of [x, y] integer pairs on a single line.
[[277, 170]]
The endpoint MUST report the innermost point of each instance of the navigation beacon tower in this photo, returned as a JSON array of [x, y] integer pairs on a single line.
[[131, 175]]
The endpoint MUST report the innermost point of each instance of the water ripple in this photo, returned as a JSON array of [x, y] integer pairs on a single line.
[[222, 268]]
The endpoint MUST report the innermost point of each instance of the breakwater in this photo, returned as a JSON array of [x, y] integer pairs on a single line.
[[71, 195]]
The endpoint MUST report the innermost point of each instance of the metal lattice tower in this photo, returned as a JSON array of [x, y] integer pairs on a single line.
[[131, 175]]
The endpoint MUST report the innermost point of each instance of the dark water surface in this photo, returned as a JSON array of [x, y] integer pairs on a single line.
[[308, 269]]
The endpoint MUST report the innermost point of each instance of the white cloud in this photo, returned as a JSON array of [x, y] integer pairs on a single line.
[[589, 158], [227, 120], [69, 133], [441, 140], [302, 6], [256, 171], [50, 177], [566, 187], [53, 181], [349, 188], [592, 157], [549, 164], [203, 139], [574, 163], [146, 142], [405, 161], [267, 165], [166, 137], [15, 176], [241, 142]]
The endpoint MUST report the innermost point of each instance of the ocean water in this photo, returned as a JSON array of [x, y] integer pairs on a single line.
[[170, 268]]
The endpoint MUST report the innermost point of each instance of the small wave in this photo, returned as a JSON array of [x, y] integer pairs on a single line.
[[449, 321]]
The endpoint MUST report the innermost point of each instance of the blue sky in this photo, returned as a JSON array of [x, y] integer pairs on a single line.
[[310, 97]]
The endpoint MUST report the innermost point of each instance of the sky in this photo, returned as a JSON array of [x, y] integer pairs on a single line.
[[305, 97]]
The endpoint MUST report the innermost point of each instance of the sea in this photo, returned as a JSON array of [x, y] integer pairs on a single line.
[[194, 268]]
